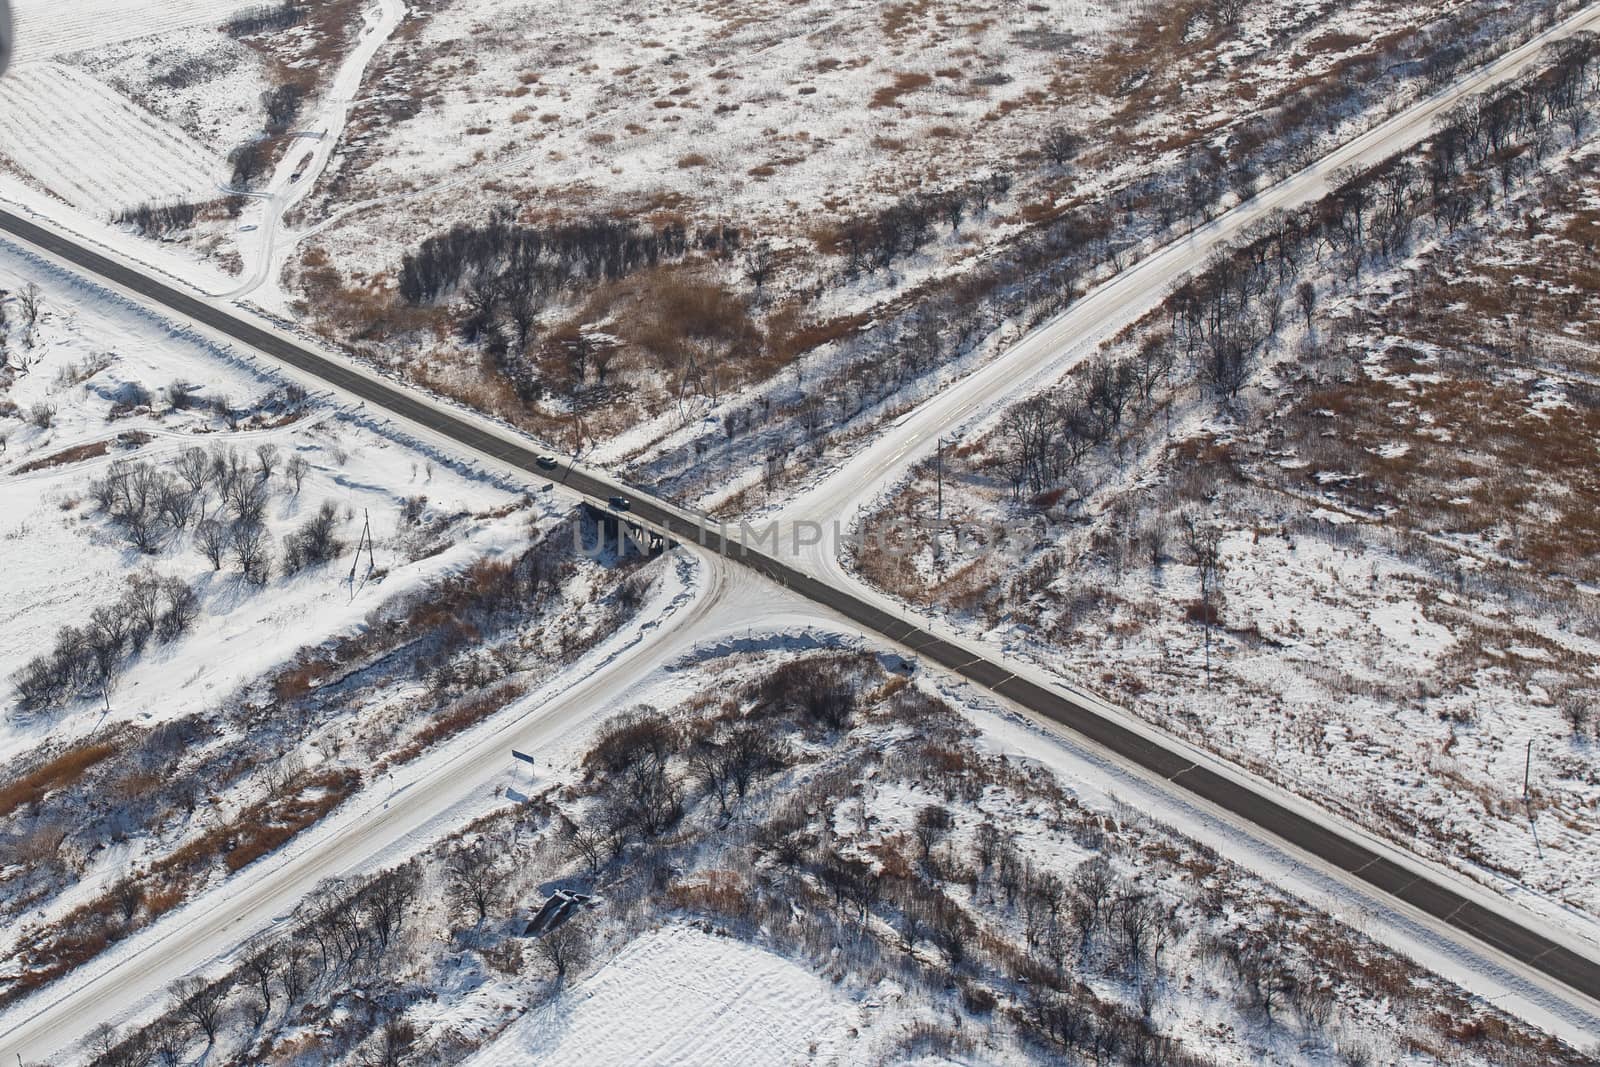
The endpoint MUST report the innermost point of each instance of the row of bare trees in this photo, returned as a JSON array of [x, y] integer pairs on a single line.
[[152, 219], [509, 271], [875, 241], [86, 660], [29, 302], [1226, 316], [342, 933]]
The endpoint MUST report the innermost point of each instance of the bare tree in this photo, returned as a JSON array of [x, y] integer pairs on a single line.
[[200, 1002], [394, 1045], [316, 538], [474, 879], [250, 501], [211, 541], [1061, 145], [262, 968], [296, 470], [170, 1043], [182, 608], [128, 894], [932, 825], [387, 901], [1091, 884], [266, 458], [252, 551], [175, 503], [758, 265], [194, 467], [1306, 296], [1578, 710], [1204, 544], [565, 947], [30, 302], [102, 1041], [587, 844]]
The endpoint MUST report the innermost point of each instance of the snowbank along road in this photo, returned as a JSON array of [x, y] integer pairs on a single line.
[[53, 1025], [42, 1028]]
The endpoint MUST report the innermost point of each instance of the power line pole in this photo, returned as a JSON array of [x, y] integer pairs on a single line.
[[365, 541], [938, 466]]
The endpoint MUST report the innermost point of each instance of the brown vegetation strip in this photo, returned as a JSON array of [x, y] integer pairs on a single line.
[[58, 773], [75, 454]]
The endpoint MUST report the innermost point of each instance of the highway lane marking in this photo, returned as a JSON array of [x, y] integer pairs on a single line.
[[1357, 870]]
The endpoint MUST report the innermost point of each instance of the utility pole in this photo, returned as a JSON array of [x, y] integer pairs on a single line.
[[938, 468], [1527, 771], [366, 541]]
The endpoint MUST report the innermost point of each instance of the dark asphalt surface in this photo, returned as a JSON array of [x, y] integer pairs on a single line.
[[1574, 969]]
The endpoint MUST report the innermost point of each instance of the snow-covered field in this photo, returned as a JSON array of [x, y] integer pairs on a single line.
[[116, 106], [71, 560], [682, 997], [1405, 625], [49, 28], [796, 126], [784, 925], [96, 149]]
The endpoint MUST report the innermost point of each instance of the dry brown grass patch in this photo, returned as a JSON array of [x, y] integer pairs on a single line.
[[59, 773], [903, 84], [75, 454]]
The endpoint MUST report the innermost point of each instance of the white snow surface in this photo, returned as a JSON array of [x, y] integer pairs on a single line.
[[47, 28], [64, 560], [95, 148], [680, 996]]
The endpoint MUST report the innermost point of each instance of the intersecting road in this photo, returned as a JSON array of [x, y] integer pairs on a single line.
[[46, 1024]]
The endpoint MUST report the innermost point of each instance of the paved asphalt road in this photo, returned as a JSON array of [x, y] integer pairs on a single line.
[[1320, 839]]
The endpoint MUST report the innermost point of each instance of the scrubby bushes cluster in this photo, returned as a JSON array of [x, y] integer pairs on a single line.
[[1076, 956], [517, 266], [643, 764], [152, 505], [877, 240], [282, 105], [1065, 951], [344, 932], [267, 18], [158, 220], [1224, 318], [85, 659]]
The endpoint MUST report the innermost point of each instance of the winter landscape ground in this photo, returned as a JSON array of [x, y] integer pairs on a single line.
[[526, 524]]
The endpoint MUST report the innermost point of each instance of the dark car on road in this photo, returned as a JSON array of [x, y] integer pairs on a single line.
[[620, 503]]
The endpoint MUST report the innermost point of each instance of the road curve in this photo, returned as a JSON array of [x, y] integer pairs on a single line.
[[413, 805]]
